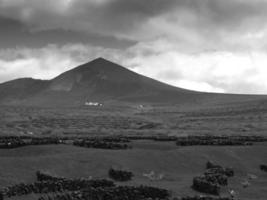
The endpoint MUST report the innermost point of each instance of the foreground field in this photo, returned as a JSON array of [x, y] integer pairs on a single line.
[[178, 165]]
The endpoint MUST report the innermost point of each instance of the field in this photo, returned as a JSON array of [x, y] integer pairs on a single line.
[[222, 119], [177, 165]]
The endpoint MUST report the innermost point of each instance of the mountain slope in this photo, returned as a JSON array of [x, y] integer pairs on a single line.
[[16, 90], [102, 80]]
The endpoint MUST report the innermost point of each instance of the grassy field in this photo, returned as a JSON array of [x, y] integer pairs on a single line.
[[249, 118], [179, 165]]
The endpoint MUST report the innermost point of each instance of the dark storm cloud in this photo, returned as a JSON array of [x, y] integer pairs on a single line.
[[143, 20], [103, 17], [14, 34]]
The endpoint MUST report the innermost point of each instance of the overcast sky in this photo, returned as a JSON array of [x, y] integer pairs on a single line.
[[206, 45]]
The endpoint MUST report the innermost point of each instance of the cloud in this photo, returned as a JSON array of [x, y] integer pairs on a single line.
[[207, 71], [207, 45], [212, 72], [221, 71], [46, 62], [15, 33], [194, 25], [113, 17]]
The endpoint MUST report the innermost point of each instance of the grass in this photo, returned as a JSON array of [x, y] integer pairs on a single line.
[[179, 165]]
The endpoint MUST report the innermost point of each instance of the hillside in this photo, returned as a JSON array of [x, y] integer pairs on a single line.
[[16, 90], [104, 81]]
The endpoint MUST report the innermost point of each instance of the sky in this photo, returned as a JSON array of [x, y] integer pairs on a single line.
[[204, 45]]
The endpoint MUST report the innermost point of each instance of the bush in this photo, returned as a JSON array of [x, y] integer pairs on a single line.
[[201, 184], [219, 140], [126, 192], [217, 169], [113, 193], [119, 175], [263, 168], [48, 185], [100, 144], [214, 177], [205, 198]]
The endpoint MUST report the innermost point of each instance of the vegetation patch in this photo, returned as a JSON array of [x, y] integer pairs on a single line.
[[100, 144], [120, 175], [113, 193], [219, 140], [263, 168], [15, 142], [58, 188], [214, 177], [204, 198]]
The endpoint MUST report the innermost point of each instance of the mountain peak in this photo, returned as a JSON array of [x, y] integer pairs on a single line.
[[100, 59], [100, 64]]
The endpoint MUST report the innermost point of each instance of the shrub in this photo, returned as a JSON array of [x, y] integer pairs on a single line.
[[120, 175]]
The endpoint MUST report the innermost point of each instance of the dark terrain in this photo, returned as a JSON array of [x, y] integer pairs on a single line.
[[132, 105]]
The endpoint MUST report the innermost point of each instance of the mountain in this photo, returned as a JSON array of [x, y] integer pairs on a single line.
[[101, 80], [15, 91]]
